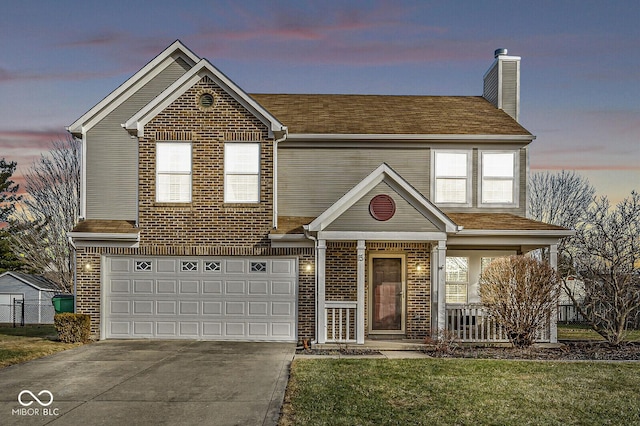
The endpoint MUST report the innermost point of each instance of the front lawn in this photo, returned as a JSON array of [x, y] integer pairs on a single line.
[[22, 344], [461, 392]]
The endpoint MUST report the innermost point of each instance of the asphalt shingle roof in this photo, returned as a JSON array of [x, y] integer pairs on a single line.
[[388, 114]]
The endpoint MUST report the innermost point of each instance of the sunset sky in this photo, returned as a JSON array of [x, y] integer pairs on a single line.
[[580, 91]]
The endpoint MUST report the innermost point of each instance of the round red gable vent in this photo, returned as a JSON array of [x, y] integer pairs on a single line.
[[382, 207]]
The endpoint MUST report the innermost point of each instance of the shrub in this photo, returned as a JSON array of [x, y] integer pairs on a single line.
[[73, 328], [519, 292]]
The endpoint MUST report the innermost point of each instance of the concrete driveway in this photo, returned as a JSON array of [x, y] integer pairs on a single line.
[[149, 383]]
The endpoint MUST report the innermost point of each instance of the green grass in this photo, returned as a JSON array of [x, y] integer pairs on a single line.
[[584, 332], [21, 344], [461, 392]]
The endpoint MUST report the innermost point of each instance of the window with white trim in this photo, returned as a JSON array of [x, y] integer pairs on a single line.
[[498, 171], [173, 172], [456, 279], [452, 177], [241, 172]]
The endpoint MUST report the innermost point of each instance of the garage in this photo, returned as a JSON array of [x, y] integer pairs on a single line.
[[245, 299]]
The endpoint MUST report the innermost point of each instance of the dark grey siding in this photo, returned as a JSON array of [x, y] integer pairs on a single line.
[[406, 218], [490, 90], [112, 155], [310, 180]]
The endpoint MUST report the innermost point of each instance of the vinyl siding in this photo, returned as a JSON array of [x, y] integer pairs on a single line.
[[405, 219], [490, 90], [112, 155], [310, 180], [510, 87]]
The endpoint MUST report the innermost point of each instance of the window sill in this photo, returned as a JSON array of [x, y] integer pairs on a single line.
[[176, 205]]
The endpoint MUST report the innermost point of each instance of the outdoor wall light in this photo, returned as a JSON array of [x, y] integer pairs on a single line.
[[308, 267], [419, 268], [87, 266]]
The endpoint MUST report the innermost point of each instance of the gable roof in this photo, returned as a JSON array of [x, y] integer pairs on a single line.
[[36, 281], [125, 90], [384, 173], [393, 115], [135, 124]]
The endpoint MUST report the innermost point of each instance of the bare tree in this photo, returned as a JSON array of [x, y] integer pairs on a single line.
[[605, 254], [50, 210], [519, 292], [559, 199]]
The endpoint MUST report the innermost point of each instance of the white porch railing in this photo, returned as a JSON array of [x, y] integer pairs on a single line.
[[472, 323], [340, 322]]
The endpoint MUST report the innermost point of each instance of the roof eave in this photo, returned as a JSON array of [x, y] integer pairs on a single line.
[[311, 137]]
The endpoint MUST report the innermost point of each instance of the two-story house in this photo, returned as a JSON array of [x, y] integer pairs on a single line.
[[209, 213]]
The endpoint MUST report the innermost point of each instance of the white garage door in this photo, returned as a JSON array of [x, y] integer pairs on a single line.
[[200, 298]]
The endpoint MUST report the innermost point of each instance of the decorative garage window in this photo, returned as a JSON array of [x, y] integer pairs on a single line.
[[241, 172], [143, 266], [499, 183], [452, 177], [173, 172], [258, 267], [457, 279], [212, 266], [189, 266]]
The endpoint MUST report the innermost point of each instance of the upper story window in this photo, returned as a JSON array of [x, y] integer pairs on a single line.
[[173, 172], [452, 177], [241, 172], [498, 184]]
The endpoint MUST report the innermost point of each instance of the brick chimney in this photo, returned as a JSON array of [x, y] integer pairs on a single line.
[[502, 83]]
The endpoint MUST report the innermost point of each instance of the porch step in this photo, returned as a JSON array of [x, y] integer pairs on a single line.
[[377, 345]]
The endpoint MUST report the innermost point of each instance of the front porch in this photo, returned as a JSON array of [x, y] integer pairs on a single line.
[[467, 323]]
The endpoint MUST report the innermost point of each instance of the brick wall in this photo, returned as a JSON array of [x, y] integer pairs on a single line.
[[207, 220], [207, 226]]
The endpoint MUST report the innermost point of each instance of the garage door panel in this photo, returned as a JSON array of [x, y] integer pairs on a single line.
[[120, 307], [143, 307], [166, 307], [166, 286], [200, 298], [167, 265], [234, 287], [258, 308], [143, 286], [259, 288], [166, 328], [212, 287], [189, 287]]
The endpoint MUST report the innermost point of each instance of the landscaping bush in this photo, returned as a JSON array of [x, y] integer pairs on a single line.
[[73, 328], [519, 292]]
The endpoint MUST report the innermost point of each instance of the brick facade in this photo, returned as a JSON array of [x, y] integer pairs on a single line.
[[207, 226], [341, 280]]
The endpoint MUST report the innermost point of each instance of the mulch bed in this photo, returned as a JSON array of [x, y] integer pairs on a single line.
[[569, 351]]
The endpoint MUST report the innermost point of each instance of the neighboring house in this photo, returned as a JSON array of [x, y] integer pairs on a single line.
[[29, 294], [209, 213]]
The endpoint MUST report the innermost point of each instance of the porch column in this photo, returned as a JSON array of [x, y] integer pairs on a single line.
[[360, 296], [441, 253], [553, 323], [321, 255]]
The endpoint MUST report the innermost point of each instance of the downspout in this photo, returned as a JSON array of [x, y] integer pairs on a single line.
[[315, 269], [284, 129]]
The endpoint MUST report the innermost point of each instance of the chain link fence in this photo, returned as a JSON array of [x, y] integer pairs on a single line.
[[21, 312]]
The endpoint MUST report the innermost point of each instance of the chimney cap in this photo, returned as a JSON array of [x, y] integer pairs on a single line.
[[500, 52]]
